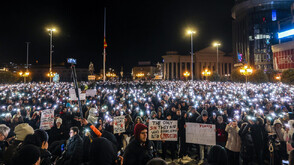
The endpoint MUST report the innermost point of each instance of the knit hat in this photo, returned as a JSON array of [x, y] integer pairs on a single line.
[[102, 151], [156, 161], [138, 129], [27, 155], [59, 120], [42, 135], [204, 113], [277, 121], [22, 130]]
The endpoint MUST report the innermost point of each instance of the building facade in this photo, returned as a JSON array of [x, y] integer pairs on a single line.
[[175, 65], [255, 28]]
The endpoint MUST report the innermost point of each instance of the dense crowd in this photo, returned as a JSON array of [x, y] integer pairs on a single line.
[[252, 127]]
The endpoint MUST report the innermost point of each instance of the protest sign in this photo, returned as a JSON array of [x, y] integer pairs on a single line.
[[200, 133], [47, 119], [163, 130], [119, 124], [73, 96], [91, 92]]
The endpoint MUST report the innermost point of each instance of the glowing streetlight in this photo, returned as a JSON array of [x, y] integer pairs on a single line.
[[191, 32], [24, 75], [51, 51], [278, 77], [51, 75], [140, 75], [186, 74], [206, 73], [246, 71], [216, 44]]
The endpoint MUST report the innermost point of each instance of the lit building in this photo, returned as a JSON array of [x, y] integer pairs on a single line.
[[144, 70], [176, 65], [283, 53], [255, 26]]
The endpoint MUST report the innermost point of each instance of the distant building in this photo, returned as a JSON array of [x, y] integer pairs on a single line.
[[175, 65], [255, 28], [283, 53], [144, 70]]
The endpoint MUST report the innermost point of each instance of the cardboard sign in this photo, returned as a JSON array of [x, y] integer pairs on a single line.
[[91, 92], [47, 119], [72, 95], [163, 130], [119, 124], [200, 133]]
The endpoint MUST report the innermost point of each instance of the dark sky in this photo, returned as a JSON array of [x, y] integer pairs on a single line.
[[136, 30]]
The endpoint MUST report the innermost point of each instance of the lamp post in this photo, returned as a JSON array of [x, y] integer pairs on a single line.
[[24, 75], [216, 44], [246, 71], [27, 70], [191, 33], [186, 74], [51, 51], [206, 73]]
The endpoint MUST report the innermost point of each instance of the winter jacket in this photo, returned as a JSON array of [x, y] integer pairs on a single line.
[[74, 147], [247, 145], [234, 140], [135, 154]]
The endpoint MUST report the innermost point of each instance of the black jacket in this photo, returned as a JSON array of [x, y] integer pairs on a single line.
[[74, 148], [135, 154]]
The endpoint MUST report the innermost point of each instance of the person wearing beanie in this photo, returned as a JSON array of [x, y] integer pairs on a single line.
[[21, 131], [169, 145], [217, 155], [203, 119], [43, 138], [27, 155], [57, 132], [140, 150], [101, 152], [157, 161]]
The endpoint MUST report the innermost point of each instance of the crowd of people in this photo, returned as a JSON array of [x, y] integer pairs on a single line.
[[253, 126]]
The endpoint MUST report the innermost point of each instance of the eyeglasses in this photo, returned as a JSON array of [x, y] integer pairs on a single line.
[[71, 132]]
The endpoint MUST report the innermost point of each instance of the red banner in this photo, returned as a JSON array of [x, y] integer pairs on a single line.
[[284, 59]]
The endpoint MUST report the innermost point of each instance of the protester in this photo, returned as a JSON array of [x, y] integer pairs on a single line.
[[74, 147], [140, 150]]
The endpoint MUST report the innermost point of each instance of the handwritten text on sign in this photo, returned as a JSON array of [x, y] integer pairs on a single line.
[[119, 124], [200, 133], [47, 119], [163, 130]]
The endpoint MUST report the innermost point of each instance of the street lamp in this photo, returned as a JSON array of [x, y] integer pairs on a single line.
[[216, 44], [206, 73], [51, 75], [140, 75], [51, 51], [24, 75], [278, 77], [186, 74], [191, 32], [246, 71]]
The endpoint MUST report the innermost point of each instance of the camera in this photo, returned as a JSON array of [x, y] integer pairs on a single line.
[[72, 61]]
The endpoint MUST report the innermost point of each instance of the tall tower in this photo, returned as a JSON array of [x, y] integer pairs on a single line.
[[255, 28]]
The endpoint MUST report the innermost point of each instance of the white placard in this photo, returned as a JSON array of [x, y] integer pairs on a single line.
[[119, 124], [91, 92], [200, 133], [47, 119], [163, 130], [72, 95]]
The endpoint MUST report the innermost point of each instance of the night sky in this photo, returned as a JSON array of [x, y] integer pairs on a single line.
[[140, 30]]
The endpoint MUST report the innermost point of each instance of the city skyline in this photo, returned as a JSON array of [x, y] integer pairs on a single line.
[[136, 31]]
